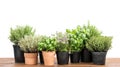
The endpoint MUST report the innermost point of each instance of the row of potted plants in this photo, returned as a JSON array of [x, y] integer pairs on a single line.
[[84, 43]]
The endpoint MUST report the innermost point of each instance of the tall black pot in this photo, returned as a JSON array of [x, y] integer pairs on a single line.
[[99, 57], [86, 55], [18, 54], [62, 57], [75, 57], [41, 57]]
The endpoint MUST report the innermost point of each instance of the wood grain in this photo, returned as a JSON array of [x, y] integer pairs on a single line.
[[110, 62]]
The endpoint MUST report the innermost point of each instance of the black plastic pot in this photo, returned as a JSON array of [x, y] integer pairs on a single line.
[[86, 55], [75, 57], [62, 57], [18, 54], [99, 57], [41, 57]]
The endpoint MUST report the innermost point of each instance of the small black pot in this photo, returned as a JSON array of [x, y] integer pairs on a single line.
[[86, 55], [41, 57], [18, 54], [75, 57], [62, 57], [99, 57]]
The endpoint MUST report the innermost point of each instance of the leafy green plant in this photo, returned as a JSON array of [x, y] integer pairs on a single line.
[[29, 44], [47, 44], [62, 41], [90, 31], [19, 32], [76, 37], [99, 43]]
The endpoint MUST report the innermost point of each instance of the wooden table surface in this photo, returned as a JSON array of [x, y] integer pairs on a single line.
[[110, 62]]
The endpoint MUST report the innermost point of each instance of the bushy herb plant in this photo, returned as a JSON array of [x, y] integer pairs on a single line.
[[99, 44], [20, 32], [29, 44], [62, 42], [47, 44]]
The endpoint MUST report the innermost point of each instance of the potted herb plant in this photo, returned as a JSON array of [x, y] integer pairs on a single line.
[[76, 37], [47, 46], [99, 47], [15, 35], [62, 48], [41, 38], [29, 45], [89, 31]]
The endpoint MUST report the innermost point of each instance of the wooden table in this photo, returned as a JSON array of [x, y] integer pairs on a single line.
[[110, 62]]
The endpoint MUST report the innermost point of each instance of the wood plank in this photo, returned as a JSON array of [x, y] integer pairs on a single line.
[[110, 62]]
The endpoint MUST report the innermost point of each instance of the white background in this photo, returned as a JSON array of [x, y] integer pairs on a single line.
[[49, 16]]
